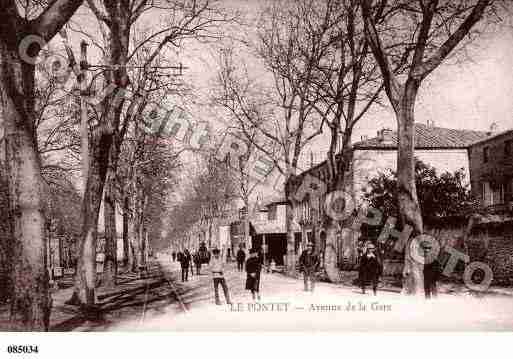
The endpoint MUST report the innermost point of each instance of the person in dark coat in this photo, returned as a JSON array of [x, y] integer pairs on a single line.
[[370, 269], [241, 256], [253, 269], [309, 263], [174, 256], [197, 261], [431, 272], [185, 261]]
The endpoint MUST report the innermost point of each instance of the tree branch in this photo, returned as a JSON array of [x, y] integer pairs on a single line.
[[54, 17]]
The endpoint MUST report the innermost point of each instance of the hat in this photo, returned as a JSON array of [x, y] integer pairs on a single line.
[[371, 246], [426, 245]]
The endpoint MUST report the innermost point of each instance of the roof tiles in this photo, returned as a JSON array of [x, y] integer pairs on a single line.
[[430, 137]]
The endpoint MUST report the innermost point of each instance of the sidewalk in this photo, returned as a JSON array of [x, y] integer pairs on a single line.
[[128, 299], [391, 284], [286, 307]]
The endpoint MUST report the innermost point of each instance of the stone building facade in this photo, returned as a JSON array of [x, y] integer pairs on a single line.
[[443, 148], [491, 176], [491, 171]]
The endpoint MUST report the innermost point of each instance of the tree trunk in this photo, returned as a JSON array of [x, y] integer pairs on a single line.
[[85, 279], [136, 247], [290, 257], [30, 299], [126, 245], [409, 209], [336, 182], [246, 225], [109, 207]]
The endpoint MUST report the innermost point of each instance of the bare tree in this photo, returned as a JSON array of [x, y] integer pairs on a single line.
[[31, 303], [348, 84], [421, 35], [187, 19], [280, 117]]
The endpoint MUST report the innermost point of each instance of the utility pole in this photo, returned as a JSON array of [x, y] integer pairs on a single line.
[[80, 73], [84, 119]]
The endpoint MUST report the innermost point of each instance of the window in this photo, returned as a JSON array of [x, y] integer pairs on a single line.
[[509, 191], [507, 148], [498, 193], [486, 194], [492, 193], [486, 153]]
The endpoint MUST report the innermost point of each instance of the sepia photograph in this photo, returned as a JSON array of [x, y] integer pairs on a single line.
[[188, 166]]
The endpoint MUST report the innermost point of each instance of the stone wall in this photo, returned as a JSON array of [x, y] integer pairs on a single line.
[[499, 257], [492, 245]]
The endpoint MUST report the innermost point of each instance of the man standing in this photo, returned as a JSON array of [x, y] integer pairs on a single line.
[[174, 256], [217, 269], [241, 257], [431, 272], [197, 262], [253, 269], [370, 268], [189, 256], [309, 263], [185, 260]]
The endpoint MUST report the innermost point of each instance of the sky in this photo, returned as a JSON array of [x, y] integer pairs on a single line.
[[471, 91], [467, 95]]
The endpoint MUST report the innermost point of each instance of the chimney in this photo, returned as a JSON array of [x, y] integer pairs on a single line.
[[385, 135], [365, 138], [494, 128], [430, 123]]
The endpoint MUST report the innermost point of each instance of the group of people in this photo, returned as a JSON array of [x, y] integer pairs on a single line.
[[370, 269], [253, 267], [188, 261]]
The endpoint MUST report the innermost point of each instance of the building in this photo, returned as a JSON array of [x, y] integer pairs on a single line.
[[443, 148], [269, 230], [491, 176], [491, 172]]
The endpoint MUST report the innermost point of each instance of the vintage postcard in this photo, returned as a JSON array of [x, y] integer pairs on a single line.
[[255, 166]]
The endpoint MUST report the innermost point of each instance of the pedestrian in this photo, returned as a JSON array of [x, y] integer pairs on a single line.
[[431, 272], [174, 256], [197, 262], [309, 263], [217, 269], [185, 261], [241, 257], [189, 256], [360, 251], [370, 268], [253, 269]]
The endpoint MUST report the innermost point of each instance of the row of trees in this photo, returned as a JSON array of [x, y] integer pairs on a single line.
[[329, 62], [124, 164], [207, 199]]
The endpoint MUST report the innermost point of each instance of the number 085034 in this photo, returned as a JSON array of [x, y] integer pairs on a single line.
[[22, 349]]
